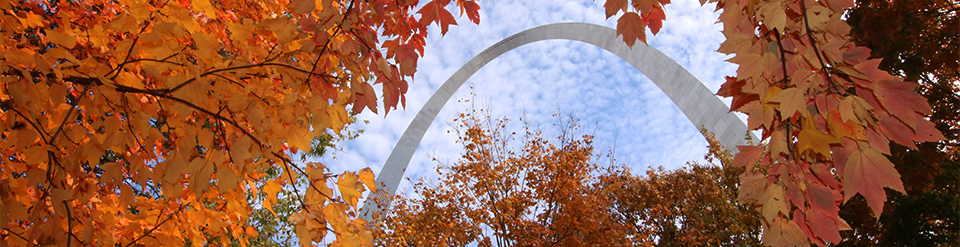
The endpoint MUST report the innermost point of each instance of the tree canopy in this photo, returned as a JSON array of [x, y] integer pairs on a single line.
[[547, 192], [148, 122]]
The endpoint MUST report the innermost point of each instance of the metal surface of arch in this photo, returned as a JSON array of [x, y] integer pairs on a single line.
[[697, 102]]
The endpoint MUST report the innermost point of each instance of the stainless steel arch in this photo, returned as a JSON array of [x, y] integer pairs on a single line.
[[696, 101]]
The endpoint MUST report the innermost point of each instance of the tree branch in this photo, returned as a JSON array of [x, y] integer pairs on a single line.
[[148, 232]]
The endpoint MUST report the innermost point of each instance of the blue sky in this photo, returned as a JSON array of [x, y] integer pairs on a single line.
[[535, 80]]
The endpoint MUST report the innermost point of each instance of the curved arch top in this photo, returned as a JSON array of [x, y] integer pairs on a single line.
[[697, 102]]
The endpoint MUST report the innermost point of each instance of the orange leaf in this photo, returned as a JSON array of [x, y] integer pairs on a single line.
[[612, 7], [784, 232], [791, 100], [302, 6]]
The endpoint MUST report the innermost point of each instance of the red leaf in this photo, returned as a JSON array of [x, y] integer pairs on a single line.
[[747, 156], [867, 172], [631, 27], [897, 131], [901, 101], [877, 140], [823, 198], [654, 19], [800, 219], [927, 131], [435, 12], [869, 68], [472, 9], [824, 226], [733, 88], [856, 55]]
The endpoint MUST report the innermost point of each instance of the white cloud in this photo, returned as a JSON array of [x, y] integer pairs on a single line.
[[605, 92]]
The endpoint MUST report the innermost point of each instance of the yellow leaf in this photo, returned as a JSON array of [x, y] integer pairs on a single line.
[[366, 176], [240, 31], [336, 216], [816, 141], [205, 7], [350, 188]]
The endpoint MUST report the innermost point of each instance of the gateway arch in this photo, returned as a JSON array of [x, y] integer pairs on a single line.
[[696, 101]]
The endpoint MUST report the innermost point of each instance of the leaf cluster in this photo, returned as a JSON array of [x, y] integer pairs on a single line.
[[149, 122]]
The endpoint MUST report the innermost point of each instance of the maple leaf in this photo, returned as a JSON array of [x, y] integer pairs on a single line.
[[792, 101], [734, 88], [434, 11], [867, 172], [366, 176], [901, 101], [654, 19], [350, 187], [747, 157], [815, 140], [631, 27], [774, 201], [856, 55], [752, 186], [897, 131], [472, 9], [824, 226], [303, 6], [32, 20], [612, 7], [204, 6], [783, 232], [62, 37]]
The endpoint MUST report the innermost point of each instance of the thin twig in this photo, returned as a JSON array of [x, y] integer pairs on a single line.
[[67, 116], [783, 58], [157, 226], [813, 42]]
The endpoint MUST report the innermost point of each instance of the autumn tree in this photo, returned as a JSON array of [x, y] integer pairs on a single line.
[[147, 122], [919, 41], [695, 205], [825, 111], [548, 192]]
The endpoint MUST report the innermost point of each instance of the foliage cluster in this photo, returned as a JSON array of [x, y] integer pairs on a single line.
[[826, 112], [148, 122]]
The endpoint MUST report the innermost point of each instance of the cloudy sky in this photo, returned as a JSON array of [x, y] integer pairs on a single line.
[[604, 92]]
